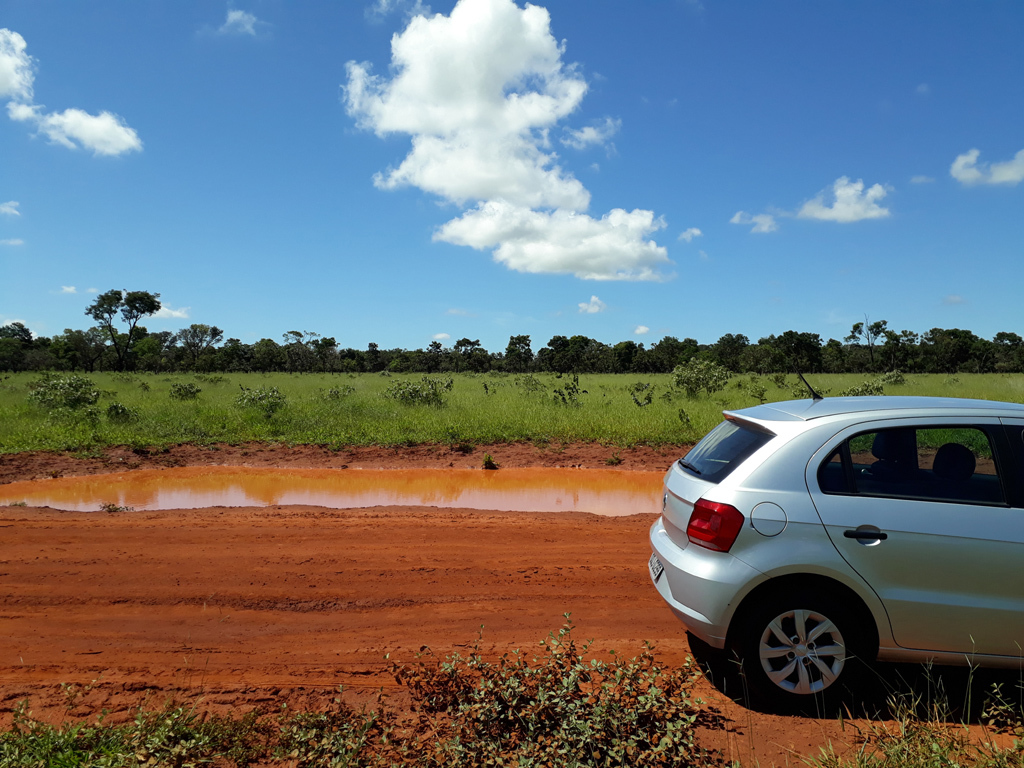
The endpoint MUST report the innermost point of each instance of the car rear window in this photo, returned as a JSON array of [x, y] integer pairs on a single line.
[[722, 450]]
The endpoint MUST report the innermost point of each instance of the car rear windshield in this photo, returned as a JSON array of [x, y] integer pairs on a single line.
[[722, 450]]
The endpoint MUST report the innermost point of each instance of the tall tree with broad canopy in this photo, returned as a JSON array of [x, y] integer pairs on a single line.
[[198, 338], [132, 306]]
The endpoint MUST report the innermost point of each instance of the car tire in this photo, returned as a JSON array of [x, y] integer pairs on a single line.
[[798, 651]]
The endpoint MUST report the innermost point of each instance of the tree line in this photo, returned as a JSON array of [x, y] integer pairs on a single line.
[[118, 342]]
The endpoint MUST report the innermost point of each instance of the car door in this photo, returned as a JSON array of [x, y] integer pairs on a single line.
[[934, 536]]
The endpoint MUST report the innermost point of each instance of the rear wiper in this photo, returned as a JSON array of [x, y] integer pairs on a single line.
[[687, 465]]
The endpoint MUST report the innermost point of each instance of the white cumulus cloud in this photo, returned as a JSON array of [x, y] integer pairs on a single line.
[[689, 234], [640, 330], [479, 91], [849, 202], [613, 247], [68, 289], [104, 134], [16, 74], [10, 208], [966, 169], [238, 23], [762, 222], [441, 336], [593, 306], [591, 135], [166, 312]]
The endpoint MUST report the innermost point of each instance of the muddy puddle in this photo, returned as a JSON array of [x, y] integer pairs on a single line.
[[599, 491]]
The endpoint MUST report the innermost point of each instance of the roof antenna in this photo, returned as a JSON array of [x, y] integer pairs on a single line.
[[814, 395]]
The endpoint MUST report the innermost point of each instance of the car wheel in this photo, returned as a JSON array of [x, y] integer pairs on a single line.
[[797, 650]]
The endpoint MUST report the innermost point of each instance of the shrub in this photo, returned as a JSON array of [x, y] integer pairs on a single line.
[[756, 389], [489, 463], [556, 709], [893, 378], [65, 390], [269, 400], [640, 388], [699, 375], [337, 393], [864, 389], [187, 391], [570, 393], [429, 391], [121, 414]]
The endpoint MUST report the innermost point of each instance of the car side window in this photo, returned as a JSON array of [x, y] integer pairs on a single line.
[[954, 464]]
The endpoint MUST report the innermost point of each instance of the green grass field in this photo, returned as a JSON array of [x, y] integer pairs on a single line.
[[349, 409]]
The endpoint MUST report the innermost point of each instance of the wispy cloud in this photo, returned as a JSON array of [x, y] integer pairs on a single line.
[[410, 8], [593, 306], [848, 201], [166, 313], [10, 208], [239, 23], [12, 241], [480, 125], [921, 179], [762, 222], [599, 134], [459, 312], [953, 299], [688, 235], [967, 170], [923, 89], [103, 134], [68, 289]]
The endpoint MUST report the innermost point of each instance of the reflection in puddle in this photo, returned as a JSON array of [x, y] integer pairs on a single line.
[[600, 491]]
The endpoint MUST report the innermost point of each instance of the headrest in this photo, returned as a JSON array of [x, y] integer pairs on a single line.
[[954, 462], [896, 445]]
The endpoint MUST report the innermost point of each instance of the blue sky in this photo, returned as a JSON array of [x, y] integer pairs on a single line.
[[391, 172]]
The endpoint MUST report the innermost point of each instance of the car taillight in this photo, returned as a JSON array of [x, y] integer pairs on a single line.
[[714, 525]]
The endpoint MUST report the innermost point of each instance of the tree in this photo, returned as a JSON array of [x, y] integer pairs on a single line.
[[518, 355], [728, 350], [16, 331], [132, 306], [198, 338], [868, 331]]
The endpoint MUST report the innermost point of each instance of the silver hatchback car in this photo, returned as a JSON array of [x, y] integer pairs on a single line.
[[806, 534]]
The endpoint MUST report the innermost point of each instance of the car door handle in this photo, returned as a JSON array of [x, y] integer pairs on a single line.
[[866, 535]]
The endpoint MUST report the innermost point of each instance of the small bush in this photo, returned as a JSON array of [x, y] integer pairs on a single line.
[[269, 400], [121, 414], [557, 709], [756, 389], [868, 388], [187, 391], [570, 394], [428, 391], [337, 393], [489, 463], [641, 388], [893, 378], [700, 375], [66, 390]]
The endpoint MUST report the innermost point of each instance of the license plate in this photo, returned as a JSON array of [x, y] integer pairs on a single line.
[[655, 566]]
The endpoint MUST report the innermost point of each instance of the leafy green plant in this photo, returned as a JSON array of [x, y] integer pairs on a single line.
[[268, 400], [121, 414], [893, 378], [185, 391], [557, 708], [756, 389], [337, 393], [570, 393], [111, 507], [428, 391], [66, 390], [700, 375], [870, 387], [642, 388], [614, 460], [489, 463]]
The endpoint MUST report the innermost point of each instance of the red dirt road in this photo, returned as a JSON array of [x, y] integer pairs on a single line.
[[255, 606]]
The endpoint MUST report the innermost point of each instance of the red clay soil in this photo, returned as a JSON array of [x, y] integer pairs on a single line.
[[248, 607]]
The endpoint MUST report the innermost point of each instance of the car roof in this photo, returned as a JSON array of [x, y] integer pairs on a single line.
[[806, 410]]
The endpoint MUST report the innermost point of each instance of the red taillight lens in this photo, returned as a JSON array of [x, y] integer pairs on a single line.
[[714, 525]]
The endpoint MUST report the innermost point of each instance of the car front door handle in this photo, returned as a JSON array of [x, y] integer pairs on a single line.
[[862, 535]]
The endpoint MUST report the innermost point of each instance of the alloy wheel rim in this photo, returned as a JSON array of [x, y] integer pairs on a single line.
[[802, 651]]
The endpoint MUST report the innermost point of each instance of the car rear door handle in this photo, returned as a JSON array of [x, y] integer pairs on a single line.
[[861, 535]]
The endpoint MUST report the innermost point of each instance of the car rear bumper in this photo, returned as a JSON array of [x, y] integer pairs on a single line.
[[701, 587]]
